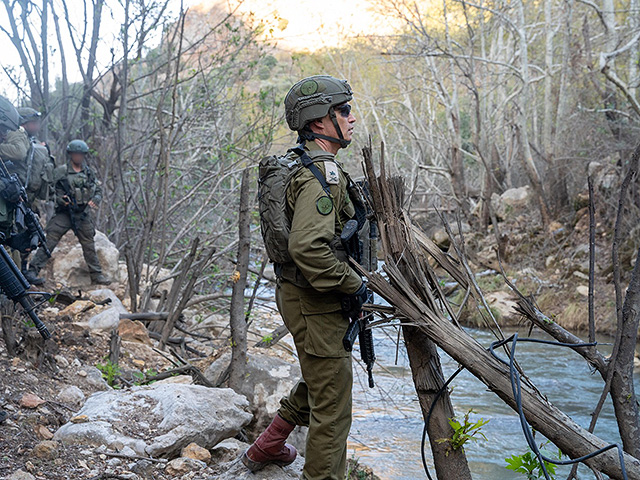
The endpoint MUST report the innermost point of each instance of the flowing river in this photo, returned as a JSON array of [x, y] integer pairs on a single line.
[[387, 420]]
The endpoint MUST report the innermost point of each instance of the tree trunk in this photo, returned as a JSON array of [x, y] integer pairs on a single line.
[[634, 69], [427, 374], [622, 390], [7, 330], [238, 321], [557, 172], [44, 38], [524, 102]]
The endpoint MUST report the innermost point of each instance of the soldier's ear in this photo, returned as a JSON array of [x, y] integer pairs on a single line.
[[317, 125]]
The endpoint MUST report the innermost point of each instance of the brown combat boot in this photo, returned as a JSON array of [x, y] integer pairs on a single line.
[[270, 447]]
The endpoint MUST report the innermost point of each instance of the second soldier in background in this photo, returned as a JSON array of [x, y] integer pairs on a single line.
[[77, 191]]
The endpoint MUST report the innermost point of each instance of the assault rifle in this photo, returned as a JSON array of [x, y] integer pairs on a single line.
[[15, 286], [359, 325], [25, 217]]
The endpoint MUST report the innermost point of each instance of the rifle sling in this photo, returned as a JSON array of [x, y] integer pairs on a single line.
[[309, 163]]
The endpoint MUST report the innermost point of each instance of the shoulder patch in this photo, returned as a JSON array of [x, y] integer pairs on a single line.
[[324, 205], [331, 173]]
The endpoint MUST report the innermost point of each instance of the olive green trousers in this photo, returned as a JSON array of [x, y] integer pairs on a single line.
[[322, 399], [60, 224]]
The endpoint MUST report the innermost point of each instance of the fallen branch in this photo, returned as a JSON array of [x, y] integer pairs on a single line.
[[275, 336], [571, 438], [130, 457]]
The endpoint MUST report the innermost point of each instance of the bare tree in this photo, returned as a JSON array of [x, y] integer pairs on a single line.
[[238, 320]]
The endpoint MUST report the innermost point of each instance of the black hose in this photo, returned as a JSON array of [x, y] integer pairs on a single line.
[[517, 395]]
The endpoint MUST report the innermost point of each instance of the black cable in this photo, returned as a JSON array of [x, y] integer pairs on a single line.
[[426, 421], [517, 395]]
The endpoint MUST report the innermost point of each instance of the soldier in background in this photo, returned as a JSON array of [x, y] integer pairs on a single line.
[[10, 144], [77, 191], [9, 123], [37, 173], [15, 146]]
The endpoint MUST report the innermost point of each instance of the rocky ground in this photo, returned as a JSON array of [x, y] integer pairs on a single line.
[[73, 415], [551, 263]]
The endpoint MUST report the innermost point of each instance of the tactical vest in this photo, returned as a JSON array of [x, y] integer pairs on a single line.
[[82, 184]]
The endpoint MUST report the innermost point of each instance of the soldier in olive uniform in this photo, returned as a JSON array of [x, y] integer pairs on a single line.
[[9, 192], [9, 195], [15, 145], [36, 171], [310, 289], [77, 192]]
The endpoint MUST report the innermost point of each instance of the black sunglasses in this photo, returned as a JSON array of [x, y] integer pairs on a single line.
[[344, 110]]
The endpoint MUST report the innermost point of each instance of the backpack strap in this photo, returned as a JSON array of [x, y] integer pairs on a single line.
[[309, 163]]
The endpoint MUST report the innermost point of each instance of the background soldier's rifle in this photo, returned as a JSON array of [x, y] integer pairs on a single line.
[[25, 216], [29, 164], [359, 325], [15, 286]]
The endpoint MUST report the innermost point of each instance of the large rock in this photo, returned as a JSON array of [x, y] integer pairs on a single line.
[[20, 475], [226, 465], [71, 395], [108, 318], [503, 305], [133, 331], [69, 267], [182, 466], [512, 202], [158, 420], [268, 379]]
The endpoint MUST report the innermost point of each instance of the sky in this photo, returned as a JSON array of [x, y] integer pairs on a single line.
[[312, 24], [296, 25]]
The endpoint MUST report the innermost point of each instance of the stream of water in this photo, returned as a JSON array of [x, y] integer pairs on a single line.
[[387, 420]]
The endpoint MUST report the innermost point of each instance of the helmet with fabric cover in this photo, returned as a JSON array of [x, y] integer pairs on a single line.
[[28, 114], [312, 97], [9, 117], [77, 146]]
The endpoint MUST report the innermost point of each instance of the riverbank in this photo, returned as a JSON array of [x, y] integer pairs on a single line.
[[549, 263]]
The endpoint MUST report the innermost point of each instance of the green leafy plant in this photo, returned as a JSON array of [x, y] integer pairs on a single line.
[[464, 431], [355, 471], [528, 464], [109, 371], [143, 377]]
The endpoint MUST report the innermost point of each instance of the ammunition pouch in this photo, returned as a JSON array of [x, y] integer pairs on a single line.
[[291, 273]]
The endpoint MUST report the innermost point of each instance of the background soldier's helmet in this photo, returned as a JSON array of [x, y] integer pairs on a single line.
[[28, 114], [77, 146], [9, 117], [312, 97]]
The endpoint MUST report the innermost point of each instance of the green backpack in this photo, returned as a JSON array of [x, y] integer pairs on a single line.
[[38, 174], [274, 177]]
